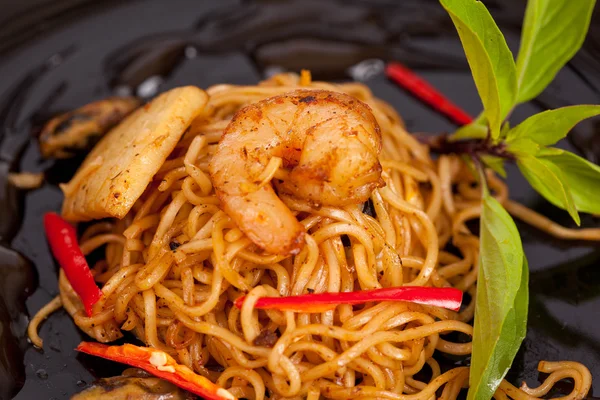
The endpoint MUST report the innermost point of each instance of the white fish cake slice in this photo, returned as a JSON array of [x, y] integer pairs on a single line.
[[120, 167]]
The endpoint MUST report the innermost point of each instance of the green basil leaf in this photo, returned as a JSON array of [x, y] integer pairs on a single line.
[[477, 129], [513, 332], [549, 151], [548, 127], [474, 130], [582, 177], [505, 128], [501, 301], [495, 163], [491, 62], [470, 165], [522, 305], [548, 180], [553, 31], [522, 147]]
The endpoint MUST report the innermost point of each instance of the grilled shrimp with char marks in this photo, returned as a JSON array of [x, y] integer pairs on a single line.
[[329, 144]]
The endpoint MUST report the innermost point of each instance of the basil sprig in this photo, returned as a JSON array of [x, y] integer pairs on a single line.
[[553, 31], [581, 177], [548, 127], [502, 299], [549, 181], [564, 179], [491, 62]]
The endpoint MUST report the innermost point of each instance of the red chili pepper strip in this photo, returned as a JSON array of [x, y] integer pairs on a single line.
[[449, 298], [159, 364], [427, 93], [63, 242]]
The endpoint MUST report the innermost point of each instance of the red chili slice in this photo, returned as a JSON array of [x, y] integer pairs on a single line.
[[449, 298], [159, 364], [62, 238]]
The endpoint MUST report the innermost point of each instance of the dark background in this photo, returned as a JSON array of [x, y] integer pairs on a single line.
[[58, 55]]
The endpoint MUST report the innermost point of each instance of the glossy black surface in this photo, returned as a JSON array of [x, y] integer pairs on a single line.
[[56, 56]]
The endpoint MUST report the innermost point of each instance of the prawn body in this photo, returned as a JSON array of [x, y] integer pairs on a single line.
[[329, 144]]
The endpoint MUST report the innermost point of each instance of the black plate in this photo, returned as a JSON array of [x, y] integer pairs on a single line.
[[55, 56]]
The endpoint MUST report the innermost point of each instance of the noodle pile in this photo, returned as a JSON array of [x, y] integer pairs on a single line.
[[174, 265]]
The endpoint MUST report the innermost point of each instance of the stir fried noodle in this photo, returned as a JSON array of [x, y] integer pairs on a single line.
[[174, 265]]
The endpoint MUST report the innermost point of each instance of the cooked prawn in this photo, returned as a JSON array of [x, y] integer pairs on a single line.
[[328, 143]]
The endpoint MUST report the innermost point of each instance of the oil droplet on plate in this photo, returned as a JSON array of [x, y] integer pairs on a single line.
[[41, 373]]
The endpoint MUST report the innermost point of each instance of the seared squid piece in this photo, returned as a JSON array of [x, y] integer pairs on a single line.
[[79, 130], [120, 167]]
